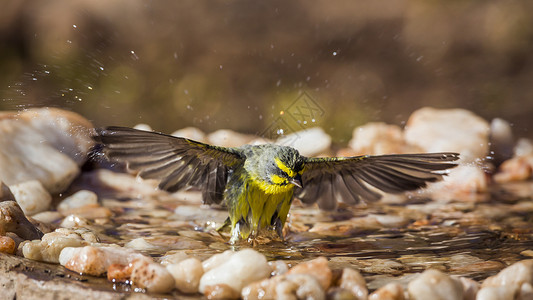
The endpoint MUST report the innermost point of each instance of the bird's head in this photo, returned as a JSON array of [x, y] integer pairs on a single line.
[[277, 168]]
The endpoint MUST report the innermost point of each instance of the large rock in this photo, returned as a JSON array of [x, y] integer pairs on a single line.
[[45, 144], [454, 130]]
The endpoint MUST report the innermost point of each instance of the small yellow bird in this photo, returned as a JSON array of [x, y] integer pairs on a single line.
[[258, 183]]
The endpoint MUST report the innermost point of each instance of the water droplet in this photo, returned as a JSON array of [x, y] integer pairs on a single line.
[[220, 67], [74, 26], [102, 68], [90, 87], [334, 53]]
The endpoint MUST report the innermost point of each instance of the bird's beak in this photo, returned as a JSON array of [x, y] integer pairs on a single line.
[[297, 181]]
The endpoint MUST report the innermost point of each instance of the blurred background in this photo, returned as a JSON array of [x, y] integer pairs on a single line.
[[241, 64]]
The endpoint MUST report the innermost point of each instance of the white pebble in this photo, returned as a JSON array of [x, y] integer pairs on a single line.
[[79, 199], [187, 274], [309, 142], [31, 196], [142, 126], [72, 221], [192, 133], [378, 138], [242, 268], [217, 260], [151, 276], [456, 130], [433, 284], [50, 246]]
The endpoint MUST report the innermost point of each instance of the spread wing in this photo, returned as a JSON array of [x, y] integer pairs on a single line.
[[177, 162], [330, 180]]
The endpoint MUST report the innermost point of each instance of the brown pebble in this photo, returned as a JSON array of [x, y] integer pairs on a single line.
[[119, 273], [7, 245], [220, 291], [318, 268]]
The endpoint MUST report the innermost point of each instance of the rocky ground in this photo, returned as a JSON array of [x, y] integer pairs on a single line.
[[72, 227]]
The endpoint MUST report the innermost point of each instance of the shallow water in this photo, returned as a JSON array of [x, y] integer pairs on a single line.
[[385, 241]]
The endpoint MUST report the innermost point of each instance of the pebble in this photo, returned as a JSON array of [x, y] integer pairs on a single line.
[[497, 293], [220, 291], [470, 288], [44, 144], [217, 260], [456, 130], [173, 257], [5, 193], [143, 127], [516, 274], [95, 260], [119, 273], [48, 217], [390, 291], [79, 199], [12, 219], [241, 269], [228, 138], [287, 286], [523, 147], [49, 248], [309, 142], [515, 169], [501, 140], [7, 245], [187, 274], [433, 284], [463, 182], [192, 133], [378, 138], [72, 221], [279, 267], [151, 276], [318, 268], [354, 282], [32, 197]]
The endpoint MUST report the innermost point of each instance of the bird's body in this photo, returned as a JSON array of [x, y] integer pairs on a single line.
[[258, 182]]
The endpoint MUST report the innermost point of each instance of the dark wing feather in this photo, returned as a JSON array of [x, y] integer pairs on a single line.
[[177, 162], [329, 180]]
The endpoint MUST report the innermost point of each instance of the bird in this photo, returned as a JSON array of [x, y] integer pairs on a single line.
[[258, 183]]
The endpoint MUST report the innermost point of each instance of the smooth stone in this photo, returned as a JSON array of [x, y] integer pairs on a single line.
[[151, 276], [73, 221], [192, 133], [287, 286], [515, 169], [95, 261], [241, 269], [390, 291], [523, 147], [354, 282], [77, 200], [309, 142], [173, 257], [454, 130], [318, 268], [48, 217], [217, 260], [49, 248], [433, 284], [187, 274], [516, 274], [220, 291], [13, 219], [378, 138], [44, 144], [228, 138], [7, 245], [32, 197], [5, 193], [143, 127], [501, 141]]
